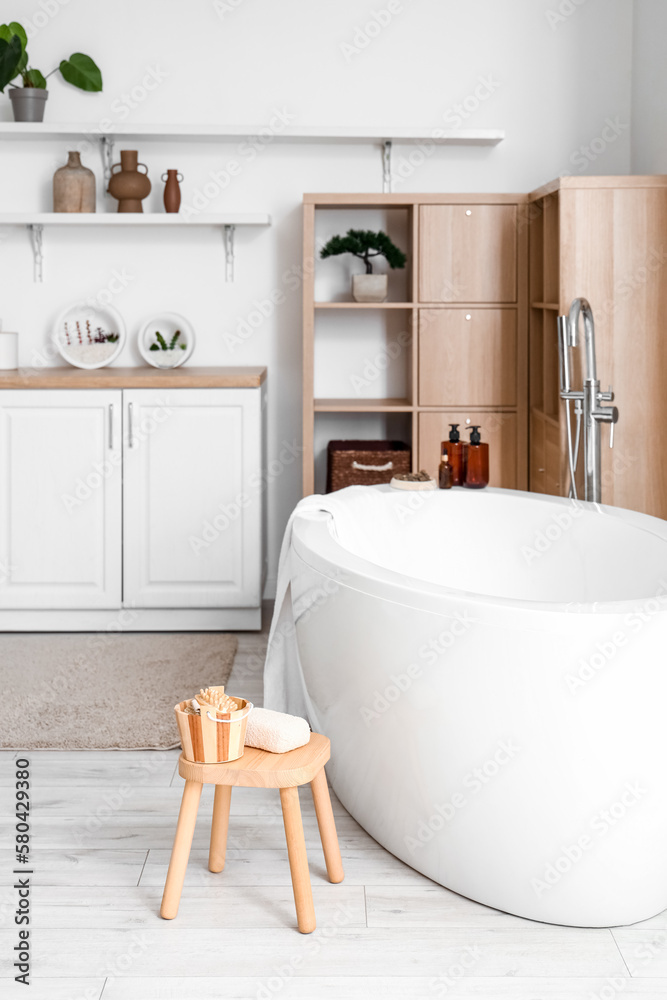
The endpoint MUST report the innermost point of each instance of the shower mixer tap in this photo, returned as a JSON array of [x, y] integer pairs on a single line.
[[589, 408]]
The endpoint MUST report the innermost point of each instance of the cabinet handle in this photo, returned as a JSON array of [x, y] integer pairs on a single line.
[[110, 426], [130, 432]]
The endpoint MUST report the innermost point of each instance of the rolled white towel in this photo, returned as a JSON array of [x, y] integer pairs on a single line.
[[276, 731]]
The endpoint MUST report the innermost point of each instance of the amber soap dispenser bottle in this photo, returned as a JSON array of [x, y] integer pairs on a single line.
[[477, 466], [456, 454]]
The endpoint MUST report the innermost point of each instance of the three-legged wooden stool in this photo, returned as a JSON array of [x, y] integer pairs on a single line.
[[258, 769]]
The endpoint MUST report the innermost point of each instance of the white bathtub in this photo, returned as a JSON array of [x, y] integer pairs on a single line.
[[491, 668]]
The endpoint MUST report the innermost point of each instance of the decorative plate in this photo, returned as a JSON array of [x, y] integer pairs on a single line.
[[89, 336], [166, 341]]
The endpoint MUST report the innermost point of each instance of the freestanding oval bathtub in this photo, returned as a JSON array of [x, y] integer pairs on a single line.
[[491, 669]]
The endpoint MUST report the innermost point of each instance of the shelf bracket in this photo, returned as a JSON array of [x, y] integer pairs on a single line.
[[229, 252], [36, 233], [386, 167], [106, 149]]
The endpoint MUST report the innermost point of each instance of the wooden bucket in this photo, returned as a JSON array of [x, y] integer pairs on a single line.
[[213, 737]]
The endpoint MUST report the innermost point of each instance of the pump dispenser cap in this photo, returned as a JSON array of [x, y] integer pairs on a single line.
[[475, 437], [454, 433]]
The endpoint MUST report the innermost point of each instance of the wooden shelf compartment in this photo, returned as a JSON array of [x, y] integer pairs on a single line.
[[551, 292], [551, 384], [536, 358], [363, 406], [364, 305], [370, 425]]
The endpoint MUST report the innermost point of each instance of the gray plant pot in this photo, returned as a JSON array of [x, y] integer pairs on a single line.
[[369, 287], [28, 103]]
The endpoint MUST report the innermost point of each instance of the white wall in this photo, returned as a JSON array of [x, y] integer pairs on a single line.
[[550, 72], [649, 87]]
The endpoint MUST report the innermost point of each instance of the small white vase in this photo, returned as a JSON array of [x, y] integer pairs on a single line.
[[369, 287], [9, 350]]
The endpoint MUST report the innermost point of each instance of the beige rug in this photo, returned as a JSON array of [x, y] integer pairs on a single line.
[[101, 690]]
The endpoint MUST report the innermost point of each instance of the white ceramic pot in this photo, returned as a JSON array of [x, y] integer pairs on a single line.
[[9, 350], [369, 287]]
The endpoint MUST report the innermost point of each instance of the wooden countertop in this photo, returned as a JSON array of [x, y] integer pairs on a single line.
[[142, 377]]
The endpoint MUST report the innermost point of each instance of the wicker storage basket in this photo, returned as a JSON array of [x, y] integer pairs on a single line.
[[207, 740], [365, 463]]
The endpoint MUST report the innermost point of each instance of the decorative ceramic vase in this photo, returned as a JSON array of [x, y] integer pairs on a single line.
[[28, 103], [130, 186], [73, 187], [172, 190], [369, 287]]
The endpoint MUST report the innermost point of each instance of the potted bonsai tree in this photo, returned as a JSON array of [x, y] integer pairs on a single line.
[[365, 244], [28, 101]]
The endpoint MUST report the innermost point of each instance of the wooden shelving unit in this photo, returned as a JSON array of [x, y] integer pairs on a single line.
[[500, 289], [600, 237], [548, 473]]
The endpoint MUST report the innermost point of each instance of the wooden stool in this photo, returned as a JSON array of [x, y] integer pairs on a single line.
[[258, 769]]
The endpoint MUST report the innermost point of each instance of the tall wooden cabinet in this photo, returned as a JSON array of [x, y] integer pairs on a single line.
[[489, 275], [603, 238], [463, 312]]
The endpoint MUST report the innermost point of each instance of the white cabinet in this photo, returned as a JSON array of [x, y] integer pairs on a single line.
[[60, 498], [131, 509], [192, 485]]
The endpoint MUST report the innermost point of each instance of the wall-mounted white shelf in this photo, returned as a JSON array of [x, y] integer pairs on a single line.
[[36, 221], [347, 134], [223, 133]]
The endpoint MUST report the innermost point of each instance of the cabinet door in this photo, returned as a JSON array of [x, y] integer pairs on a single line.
[[60, 489], [499, 430], [467, 357], [192, 498], [467, 253]]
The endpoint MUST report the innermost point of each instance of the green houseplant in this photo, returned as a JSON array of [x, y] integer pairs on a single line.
[[28, 101], [366, 244]]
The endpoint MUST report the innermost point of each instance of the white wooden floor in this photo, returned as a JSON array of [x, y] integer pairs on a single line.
[[102, 830]]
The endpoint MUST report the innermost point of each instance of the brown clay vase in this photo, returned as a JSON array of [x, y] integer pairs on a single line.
[[172, 190], [130, 186], [73, 187]]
